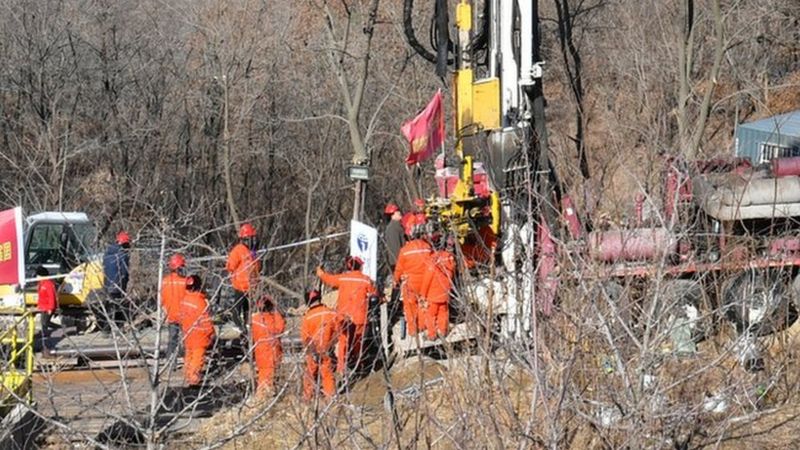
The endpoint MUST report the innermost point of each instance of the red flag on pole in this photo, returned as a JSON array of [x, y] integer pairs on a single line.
[[425, 133], [12, 261]]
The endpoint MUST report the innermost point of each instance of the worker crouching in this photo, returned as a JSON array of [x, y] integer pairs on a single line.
[[198, 330], [267, 327], [354, 290], [318, 332]]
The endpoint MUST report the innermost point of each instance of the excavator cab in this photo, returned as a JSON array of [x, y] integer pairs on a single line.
[[59, 245], [62, 243]]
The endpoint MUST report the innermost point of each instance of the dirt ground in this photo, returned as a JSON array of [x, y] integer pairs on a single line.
[[465, 402]]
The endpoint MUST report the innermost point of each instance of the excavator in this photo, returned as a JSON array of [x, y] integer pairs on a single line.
[[62, 243]]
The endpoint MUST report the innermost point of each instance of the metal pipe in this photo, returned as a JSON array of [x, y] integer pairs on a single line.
[[290, 344], [277, 247], [509, 74], [494, 31], [631, 245], [526, 42]]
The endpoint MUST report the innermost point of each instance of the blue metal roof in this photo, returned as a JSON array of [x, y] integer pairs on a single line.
[[786, 124]]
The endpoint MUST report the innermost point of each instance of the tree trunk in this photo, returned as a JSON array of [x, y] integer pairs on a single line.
[[226, 156], [574, 68]]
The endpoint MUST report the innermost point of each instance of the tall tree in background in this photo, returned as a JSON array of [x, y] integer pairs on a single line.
[[693, 112], [569, 20], [350, 63]]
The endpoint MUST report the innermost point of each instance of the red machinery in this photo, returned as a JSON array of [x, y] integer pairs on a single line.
[[723, 233]]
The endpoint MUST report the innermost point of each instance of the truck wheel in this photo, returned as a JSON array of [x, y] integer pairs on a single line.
[[758, 301], [796, 292], [682, 304]]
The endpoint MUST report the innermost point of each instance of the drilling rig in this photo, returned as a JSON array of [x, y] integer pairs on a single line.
[[497, 189], [721, 237]]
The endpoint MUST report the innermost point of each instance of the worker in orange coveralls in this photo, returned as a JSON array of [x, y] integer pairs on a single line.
[[318, 332], [414, 218], [436, 285], [173, 289], [198, 330], [244, 267], [354, 291], [267, 326], [410, 270]]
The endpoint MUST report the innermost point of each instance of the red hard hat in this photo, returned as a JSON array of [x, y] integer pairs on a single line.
[[391, 208], [177, 261], [419, 203], [247, 231], [351, 262], [123, 238]]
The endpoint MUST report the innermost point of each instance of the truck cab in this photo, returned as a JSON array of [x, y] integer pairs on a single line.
[[63, 243]]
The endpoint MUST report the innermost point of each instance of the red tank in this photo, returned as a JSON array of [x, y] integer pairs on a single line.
[[786, 167], [638, 244]]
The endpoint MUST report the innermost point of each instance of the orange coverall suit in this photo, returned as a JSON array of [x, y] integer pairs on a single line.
[[318, 331], [354, 290], [243, 268], [412, 262], [173, 289], [436, 285], [198, 332], [267, 328]]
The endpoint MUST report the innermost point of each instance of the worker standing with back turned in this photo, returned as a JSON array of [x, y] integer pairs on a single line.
[[354, 291], [268, 325], [198, 330], [244, 267], [318, 332], [409, 273], [173, 289], [116, 263], [436, 287], [394, 236]]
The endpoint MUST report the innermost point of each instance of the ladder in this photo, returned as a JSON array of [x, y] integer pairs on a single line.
[[16, 347]]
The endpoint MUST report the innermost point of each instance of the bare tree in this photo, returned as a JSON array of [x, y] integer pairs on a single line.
[[691, 137]]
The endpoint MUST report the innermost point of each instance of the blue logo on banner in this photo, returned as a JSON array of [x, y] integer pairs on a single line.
[[363, 242]]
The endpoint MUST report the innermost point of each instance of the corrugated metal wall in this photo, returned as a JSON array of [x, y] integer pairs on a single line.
[[749, 142]]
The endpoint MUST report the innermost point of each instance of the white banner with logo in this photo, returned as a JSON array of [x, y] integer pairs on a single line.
[[364, 244]]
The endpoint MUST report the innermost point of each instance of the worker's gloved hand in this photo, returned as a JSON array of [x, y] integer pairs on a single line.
[[423, 302]]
